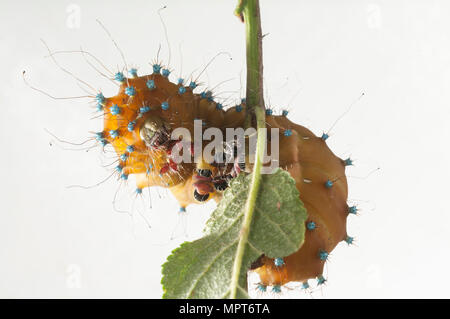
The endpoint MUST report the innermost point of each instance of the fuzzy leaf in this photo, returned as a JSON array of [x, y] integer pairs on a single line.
[[203, 268]]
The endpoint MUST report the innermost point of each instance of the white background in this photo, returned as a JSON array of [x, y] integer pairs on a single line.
[[319, 56]]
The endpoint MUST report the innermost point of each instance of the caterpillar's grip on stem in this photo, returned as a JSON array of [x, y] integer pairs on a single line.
[[307, 156], [255, 112]]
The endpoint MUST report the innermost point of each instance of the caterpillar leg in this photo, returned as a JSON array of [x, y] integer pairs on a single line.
[[203, 181], [199, 187]]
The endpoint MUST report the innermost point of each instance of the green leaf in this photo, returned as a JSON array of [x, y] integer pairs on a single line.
[[203, 268]]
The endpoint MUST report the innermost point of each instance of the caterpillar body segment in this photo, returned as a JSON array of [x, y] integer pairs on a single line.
[[311, 163]]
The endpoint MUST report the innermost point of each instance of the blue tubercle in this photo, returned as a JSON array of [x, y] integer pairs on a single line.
[[243, 100], [99, 107], [115, 109], [165, 73], [285, 112], [165, 105], [180, 81], [150, 84], [269, 112], [119, 168], [238, 108], [276, 289], [181, 89], [114, 133], [124, 176], [261, 287], [133, 72], [349, 240], [305, 285], [311, 225], [328, 184], [130, 148], [130, 91], [219, 106], [144, 109], [348, 162], [156, 68], [131, 126], [182, 209], [352, 210], [123, 157], [320, 280], [208, 95], [323, 255], [288, 132], [192, 85], [278, 262], [138, 191], [119, 77], [100, 98], [99, 136], [324, 136]]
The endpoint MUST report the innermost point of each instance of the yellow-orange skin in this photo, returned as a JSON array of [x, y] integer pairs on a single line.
[[305, 156]]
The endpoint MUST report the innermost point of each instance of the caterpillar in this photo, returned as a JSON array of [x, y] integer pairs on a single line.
[[138, 123]]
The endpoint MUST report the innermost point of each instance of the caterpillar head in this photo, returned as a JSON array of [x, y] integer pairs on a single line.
[[139, 122], [155, 132]]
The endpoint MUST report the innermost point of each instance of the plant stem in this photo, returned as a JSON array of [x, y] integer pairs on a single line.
[[249, 11]]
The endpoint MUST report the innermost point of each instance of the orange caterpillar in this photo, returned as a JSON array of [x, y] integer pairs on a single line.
[[138, 122]]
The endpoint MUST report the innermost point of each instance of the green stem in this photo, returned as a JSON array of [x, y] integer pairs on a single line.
[[249, 11]]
